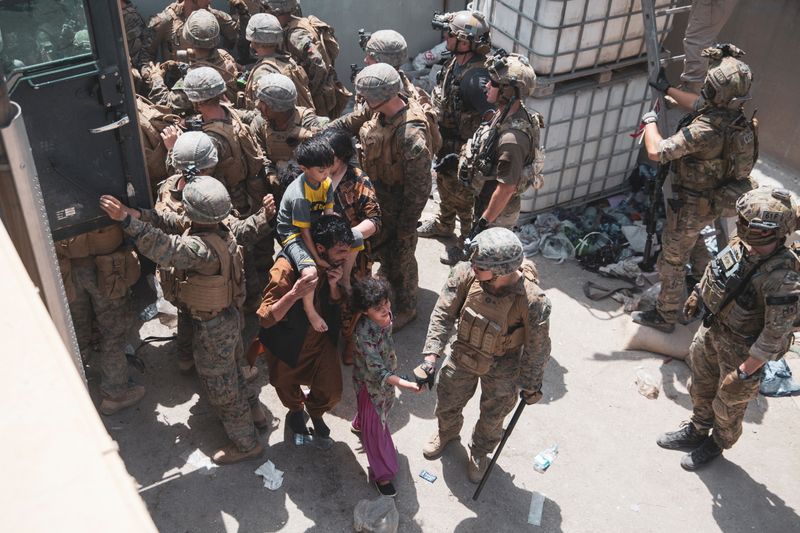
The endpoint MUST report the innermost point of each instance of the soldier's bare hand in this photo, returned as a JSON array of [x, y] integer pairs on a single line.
[[268, 203], [170, 135], [113, 208]]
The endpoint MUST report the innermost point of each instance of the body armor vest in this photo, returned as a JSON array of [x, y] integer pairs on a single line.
[[279, 64], [222, 62], [480, 167], [455, 121], [726, 275], [490, 326], [281, 143], [412, 92], [152, 121], [736, 158], [378, 155], [244, 160], [206, 294]]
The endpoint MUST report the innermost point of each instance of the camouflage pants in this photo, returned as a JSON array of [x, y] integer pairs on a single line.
[[719, 397], [509, 216], [214, 345], [454, 200], [681, 243], [112, 317], [399, 267], [499, 394]]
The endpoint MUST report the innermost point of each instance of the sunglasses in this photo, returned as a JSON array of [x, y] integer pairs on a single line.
[[495, 84]]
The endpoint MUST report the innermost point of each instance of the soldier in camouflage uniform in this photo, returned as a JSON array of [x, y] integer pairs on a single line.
[[242, 165], [462, 106], [137, 35], [500, 173], [501, 316], [711, 157], [749, 293], [167, 28], [265, 35], [208, 274], [395, 150], [201, 31], [312, 44], [98, 271], [194, 153]]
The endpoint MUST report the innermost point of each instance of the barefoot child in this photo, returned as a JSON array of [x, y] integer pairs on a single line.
[[305, 200], [374, 379]]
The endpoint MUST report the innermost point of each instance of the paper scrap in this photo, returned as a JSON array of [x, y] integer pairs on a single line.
[[537, 506], [198, 460], [273, 478]]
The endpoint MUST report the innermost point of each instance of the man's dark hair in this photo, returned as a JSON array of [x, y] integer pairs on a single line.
[[341, 141], [370, 292], [314, 152], [331, 230]]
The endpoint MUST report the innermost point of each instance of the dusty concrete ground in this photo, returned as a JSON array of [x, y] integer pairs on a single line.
[[608, 476]]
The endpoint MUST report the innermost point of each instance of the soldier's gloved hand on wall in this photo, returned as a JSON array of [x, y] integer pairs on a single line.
[[531, 397], [661, 84]]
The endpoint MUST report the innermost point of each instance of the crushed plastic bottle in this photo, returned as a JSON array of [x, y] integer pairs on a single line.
[[149, 312], [545, 458], [376, 516], [646, 384]]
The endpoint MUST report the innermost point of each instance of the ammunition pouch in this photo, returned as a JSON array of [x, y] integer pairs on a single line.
[[117, 272]]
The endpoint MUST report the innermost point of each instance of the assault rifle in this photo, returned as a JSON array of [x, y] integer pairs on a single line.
[[484, 160], [655, 180]]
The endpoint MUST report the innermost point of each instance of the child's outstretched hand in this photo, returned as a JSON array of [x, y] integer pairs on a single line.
[[410, 385]]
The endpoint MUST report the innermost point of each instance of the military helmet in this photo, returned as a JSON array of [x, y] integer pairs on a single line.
[[194, 150], [80, 41], [497, 250], [727, 78], [201, 29], [766, 209], [203, 83], [387, 46], [264, 28], [277, 91], [471, 26], [512, 70], [281, 7], [206, 200], [378, 83]]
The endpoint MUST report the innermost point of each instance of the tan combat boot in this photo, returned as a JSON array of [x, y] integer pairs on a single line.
[[436, 444], [230, 454], [476, 467], [113, 404]]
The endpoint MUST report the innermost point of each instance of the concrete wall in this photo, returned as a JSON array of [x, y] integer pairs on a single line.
[[767, 31], [411, 18]]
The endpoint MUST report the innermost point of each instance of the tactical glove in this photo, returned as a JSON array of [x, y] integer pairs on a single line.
[[448, 163], [693, 306], [649, 117], [531, 397], [662, 83], [425, 374]]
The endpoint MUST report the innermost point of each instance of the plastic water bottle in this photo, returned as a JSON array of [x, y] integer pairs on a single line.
[[545, 458]]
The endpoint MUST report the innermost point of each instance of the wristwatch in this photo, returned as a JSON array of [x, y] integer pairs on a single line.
[[742, 374]]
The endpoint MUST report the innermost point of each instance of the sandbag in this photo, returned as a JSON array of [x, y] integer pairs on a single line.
[[675, 344]]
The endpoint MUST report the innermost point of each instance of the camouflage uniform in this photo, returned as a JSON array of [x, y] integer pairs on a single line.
[[305, 43], [282, 63], [521, 367], [216, 340], [279, 144], [91, 300], [698, 182], [396, 152], [137, 35], [461, 104], [167, 35]]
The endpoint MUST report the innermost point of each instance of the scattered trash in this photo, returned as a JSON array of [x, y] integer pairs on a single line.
[[427, 476], [636, 236], [778, 380], [148, 313], [625, 269], [545, 458], [199, 461], [635, 508], [300, 439], [537, 506], [647, 384], [273, 478], [376, 516]]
